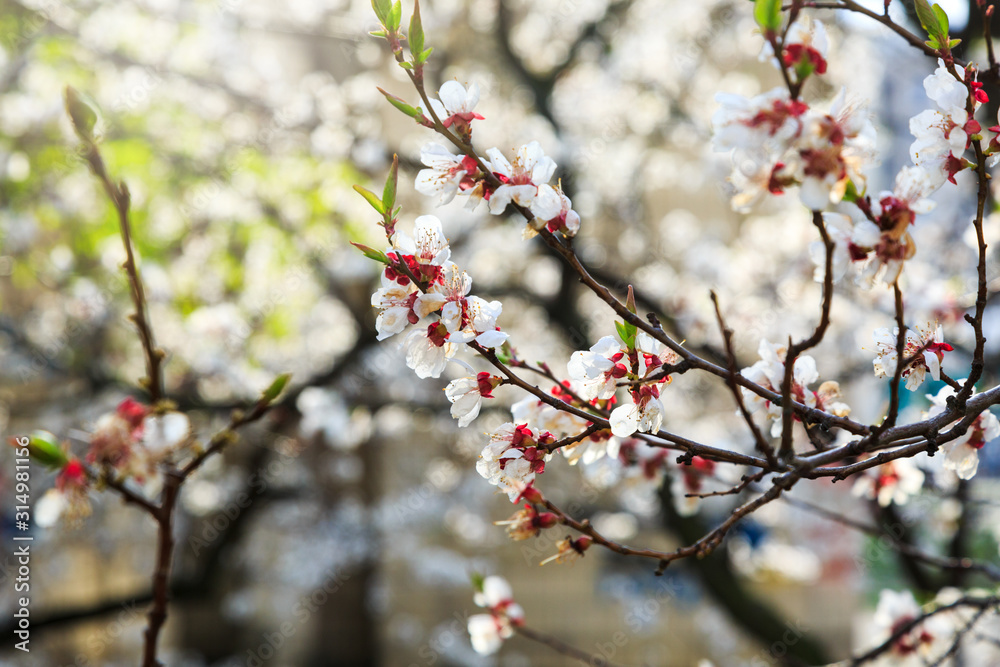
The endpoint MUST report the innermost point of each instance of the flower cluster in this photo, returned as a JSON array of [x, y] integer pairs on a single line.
[[943, 134], [488, 631], [926, 640], [512, 457], [804, 51], [67, 500], [962, 453], [769, 373], [879, 242], [440, 311], [892, 482], [131, 441], [523, 182], [598, 370], [779, 141], [466, 395], [527, 522], [925, 345]]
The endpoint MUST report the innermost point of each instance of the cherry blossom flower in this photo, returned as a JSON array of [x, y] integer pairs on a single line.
[[805, 47], [654, 354], [67, 500], [565, 219], [428, 244], [781, 142], [930, 339], [769, 372], [543, 417], [475, 319], [164, 432], [833, 150], [881, 247], [466, 395], [527, 522], [429, 350], [962, 453], [488, 631], [520, 181], [893, 482], [511, 458], [447, 174], [592, 449], [926, 640], [450, 288], [767, 123], [597, 369], [644, 413], [456, 103], [568, 549], [395, 303], [942, 135], [115, 434]]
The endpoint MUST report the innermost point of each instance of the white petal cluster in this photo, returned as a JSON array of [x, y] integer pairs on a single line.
[[779, 142], [962, 453], [769, 373], [511, 459], [893, 482], [929, 339], [488, 631], [441, 317], [941, 135]]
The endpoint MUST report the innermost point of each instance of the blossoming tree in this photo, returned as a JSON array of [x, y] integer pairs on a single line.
[[606, 401]]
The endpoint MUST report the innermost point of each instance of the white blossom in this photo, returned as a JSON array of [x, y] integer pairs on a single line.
[[520, 181], [962, 453]]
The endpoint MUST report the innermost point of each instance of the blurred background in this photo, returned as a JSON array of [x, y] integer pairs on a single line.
[[344, 529]]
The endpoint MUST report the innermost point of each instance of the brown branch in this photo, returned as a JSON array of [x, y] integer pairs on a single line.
[[127, 494], [966, 601], [120, 198], [161, 575], [565, 649], [745, 481], [763, 446]]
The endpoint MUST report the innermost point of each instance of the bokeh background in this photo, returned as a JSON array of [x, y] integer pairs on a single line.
[[240, 127]]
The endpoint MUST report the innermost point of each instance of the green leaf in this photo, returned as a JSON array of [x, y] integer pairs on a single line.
[[382, 9], [426, 54], [395, 16], [371, 198], [399, 103], [44, 448], [81, 113], [477, 581], [928, 19], [504, 354], [372, 253], [416, 35], [389, 191], [276, 388], [942, 19], [767, 13], [406, 65], [627, 333], [851, 193], [379, 33], [953, 43]]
